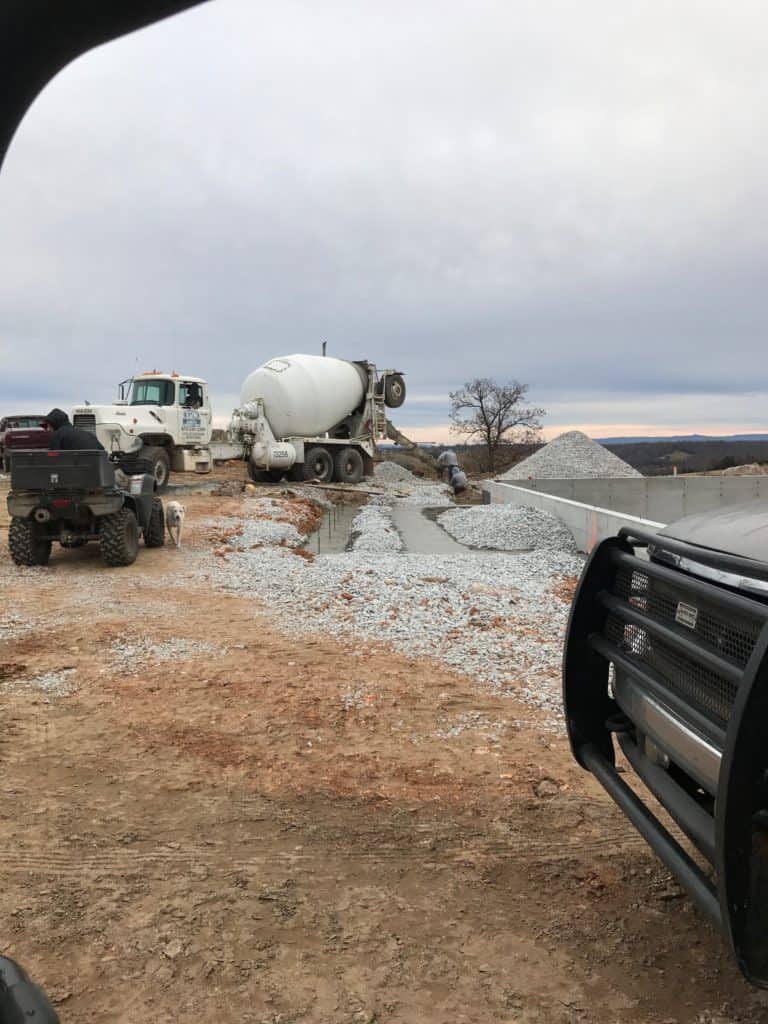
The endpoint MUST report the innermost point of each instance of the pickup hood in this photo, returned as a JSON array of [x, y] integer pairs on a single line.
[[735, 530]]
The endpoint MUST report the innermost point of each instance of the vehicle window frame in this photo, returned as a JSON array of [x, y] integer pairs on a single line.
[[168, 392]]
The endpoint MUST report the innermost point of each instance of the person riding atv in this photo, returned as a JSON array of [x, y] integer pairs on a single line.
[[65, 437]]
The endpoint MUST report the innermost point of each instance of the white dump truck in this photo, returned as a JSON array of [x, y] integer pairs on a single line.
[[310, 417]]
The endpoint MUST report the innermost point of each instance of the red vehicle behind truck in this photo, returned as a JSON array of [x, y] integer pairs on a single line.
[[21, 433]]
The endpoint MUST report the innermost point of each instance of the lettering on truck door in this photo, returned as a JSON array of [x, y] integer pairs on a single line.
[[195, 413]]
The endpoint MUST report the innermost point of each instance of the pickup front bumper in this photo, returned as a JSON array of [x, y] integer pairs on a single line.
[[673, 670]]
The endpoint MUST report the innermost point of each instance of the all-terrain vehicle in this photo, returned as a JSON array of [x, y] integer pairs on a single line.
[[76, 497], [666, 659]]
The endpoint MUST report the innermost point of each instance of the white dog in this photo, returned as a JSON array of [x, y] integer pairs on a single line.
[[174, 521]]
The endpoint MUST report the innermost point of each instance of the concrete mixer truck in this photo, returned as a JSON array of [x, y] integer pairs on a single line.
[[308, 417]]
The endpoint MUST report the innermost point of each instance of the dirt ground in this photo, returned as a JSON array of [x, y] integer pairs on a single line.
[[256, 827]]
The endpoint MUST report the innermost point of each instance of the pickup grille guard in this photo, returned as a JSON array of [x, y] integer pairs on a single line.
[[699, 649]]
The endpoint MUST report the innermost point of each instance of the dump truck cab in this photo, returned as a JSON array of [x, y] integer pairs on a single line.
[[666, 664]]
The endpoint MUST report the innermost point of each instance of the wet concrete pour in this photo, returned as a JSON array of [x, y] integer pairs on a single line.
[[422, 535]]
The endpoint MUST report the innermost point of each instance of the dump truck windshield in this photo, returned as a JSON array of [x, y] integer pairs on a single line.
[[152, 392]]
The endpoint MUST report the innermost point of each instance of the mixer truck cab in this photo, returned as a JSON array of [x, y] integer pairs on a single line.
[[166, 417]]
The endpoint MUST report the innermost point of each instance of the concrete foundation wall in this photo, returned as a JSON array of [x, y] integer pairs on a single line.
[[589, 524], [662, 499]]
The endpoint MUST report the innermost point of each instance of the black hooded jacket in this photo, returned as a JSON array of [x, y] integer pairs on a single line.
[[65, 437]]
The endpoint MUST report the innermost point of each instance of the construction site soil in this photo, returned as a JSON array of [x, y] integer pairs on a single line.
[[206, 819]]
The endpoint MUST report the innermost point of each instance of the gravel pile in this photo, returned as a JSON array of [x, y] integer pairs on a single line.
[[507, 528], [392, 472], [572, 456], [374, 531]]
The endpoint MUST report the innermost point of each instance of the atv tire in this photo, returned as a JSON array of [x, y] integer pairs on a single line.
[[161, 465], [154, 535], [25, 544], [119, 538]]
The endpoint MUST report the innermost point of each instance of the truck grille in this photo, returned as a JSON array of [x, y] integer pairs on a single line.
[[714, 632], [85, 421], [700, 659], [673, 669]]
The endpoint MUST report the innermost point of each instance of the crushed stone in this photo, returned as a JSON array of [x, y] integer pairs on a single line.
[[492, 616], [131, 655], [266, 531], [421, 495], [56, 684], [571, 456], [373, 530], [393, 473], [507, 528]]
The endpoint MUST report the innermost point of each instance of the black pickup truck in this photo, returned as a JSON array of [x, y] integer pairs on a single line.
[[76, 497], [666, 661]]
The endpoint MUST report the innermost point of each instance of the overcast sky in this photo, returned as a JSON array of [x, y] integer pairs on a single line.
[[573, 195]]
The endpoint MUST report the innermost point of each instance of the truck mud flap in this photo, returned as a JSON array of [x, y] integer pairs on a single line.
[[696, 652]]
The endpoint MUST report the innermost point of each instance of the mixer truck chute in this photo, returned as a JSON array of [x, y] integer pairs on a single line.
[[312, 417]]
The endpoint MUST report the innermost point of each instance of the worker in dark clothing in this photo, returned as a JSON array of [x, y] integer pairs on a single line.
[[65, 437]]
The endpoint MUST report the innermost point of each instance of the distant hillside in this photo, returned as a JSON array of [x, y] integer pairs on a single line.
[[677, 438], [656, 457], [652, 457]]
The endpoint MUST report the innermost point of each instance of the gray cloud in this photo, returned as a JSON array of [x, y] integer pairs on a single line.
[[572, 195]]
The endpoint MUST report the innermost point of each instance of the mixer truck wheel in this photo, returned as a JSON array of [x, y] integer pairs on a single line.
[[394, 390], [318, 465], [349, 466]]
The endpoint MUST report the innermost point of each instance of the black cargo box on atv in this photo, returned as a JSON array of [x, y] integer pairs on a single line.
[[61, 470]]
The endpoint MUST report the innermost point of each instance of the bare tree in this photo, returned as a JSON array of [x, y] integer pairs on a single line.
[[494, 415]]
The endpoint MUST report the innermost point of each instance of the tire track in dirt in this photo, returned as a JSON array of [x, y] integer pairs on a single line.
[[117, 863]]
